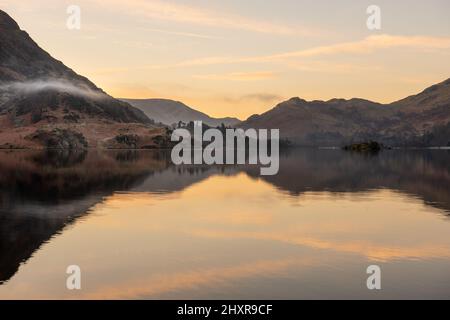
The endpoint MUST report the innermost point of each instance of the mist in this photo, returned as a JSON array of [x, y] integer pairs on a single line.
[[58, 85]]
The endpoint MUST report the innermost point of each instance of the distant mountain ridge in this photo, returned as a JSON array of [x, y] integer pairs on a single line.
[[339, 121], [170, 112]]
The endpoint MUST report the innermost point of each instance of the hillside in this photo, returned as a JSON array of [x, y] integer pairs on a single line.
[[42, 101], [339, 121]]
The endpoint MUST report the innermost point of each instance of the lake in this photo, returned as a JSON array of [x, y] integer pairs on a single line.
[[141, 228]]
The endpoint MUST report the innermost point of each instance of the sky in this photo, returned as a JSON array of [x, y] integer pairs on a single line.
[[239, 58]]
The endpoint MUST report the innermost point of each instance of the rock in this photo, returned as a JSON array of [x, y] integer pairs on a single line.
[[128, 140], [11, 146], [152, 139]]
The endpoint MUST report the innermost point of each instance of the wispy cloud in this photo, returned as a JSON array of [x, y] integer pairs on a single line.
[[365, 46], [238, 76], [182, 34], [208, 61], [260, 97], [368, 45], [166, 10], [331, 67]]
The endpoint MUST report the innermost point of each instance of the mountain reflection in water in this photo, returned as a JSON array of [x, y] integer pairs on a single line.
[[47, 194]]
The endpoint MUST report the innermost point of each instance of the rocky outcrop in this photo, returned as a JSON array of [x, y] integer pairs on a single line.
[[156, 139], [59, 139]]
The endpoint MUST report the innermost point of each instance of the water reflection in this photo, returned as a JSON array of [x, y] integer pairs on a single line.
[[167, 231], [422, 174]]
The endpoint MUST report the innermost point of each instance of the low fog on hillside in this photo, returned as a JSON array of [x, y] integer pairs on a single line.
[[60, 85]]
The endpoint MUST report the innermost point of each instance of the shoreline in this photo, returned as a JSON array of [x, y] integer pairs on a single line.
[[168, 149]]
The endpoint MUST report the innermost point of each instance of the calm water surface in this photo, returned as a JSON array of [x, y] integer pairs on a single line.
[[140, 227]]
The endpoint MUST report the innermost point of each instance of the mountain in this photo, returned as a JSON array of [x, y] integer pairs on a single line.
[[432, 98], [427, 114], [170, 112], [338, 121], [44, 103]]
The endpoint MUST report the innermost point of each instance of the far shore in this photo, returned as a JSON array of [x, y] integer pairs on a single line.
[[2, 148]]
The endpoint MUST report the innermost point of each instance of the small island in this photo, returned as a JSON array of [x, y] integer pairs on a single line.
[[371, 146]]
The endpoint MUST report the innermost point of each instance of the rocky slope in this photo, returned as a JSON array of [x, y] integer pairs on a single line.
[[41, 97]]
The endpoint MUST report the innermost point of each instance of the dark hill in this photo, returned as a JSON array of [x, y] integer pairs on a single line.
[[30, 77], [338, 121], [43, 103]]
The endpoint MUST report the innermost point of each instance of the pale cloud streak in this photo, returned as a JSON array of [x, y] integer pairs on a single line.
[[183, 34], [365, 46], [369, 45], [331, 67], [260, 97], [239, 76], [170, 11]]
